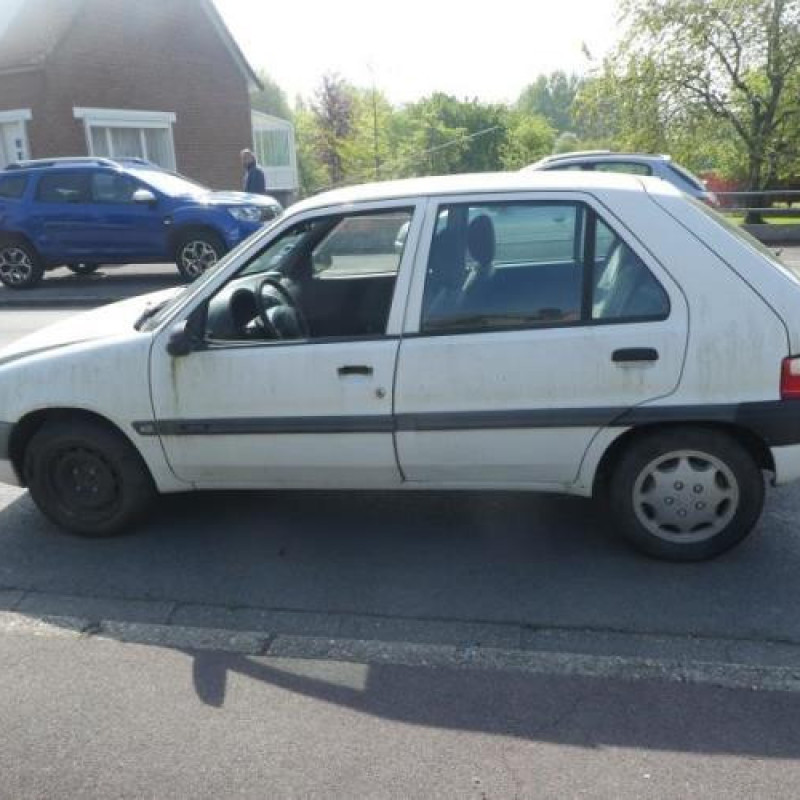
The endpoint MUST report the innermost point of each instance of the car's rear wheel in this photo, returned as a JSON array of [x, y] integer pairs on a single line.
[[686, 494], [87, 478], [20, 265], [83, 269], [197, 252]]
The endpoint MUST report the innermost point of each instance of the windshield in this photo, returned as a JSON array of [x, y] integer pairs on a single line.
[[163, 311], [740, 233], [169, 183]]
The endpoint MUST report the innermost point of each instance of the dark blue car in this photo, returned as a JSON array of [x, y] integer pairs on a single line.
[[91, 211]]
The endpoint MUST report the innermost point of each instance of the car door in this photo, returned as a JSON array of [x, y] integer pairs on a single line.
[[311, 410], [62, 217], [126, 231], [534, 321]]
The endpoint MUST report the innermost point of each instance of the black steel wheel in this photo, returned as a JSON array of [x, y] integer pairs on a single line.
[[87, 478]]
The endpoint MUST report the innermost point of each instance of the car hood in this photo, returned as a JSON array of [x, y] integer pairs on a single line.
[[238, 199], [101, 323]]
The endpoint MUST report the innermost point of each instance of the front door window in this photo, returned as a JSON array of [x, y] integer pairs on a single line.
[[329, 278]]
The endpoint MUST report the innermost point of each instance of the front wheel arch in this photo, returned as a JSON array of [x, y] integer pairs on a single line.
[[27, 427]]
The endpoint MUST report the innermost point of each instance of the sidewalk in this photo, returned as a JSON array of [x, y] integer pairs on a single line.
[[63, 289]]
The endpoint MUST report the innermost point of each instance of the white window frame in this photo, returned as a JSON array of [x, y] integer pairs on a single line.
[[125, 118], [283, 178], [22, 116]]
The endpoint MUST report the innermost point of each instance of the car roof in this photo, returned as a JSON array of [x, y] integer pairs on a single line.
[[485, 182], [77, 162], [604, 155]]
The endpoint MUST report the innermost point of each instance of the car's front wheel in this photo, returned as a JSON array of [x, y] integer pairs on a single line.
[[20, 265], [87, 478], [83, 269], [686, 494], [197, 252]]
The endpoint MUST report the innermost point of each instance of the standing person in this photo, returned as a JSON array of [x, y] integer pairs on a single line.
[[254, 180]]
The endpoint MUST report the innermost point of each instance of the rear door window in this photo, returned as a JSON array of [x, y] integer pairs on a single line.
[[12, 187], [498, 266], [64, 187], [626, 167]]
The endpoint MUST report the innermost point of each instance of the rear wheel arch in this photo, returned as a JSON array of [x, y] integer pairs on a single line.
[[754, 444], [27, 427]]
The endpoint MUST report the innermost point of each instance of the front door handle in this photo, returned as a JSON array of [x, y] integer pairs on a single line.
[[354, 369], [628, 354]]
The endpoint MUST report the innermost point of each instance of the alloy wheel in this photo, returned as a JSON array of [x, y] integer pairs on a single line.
[[16, 266], [196, 257]]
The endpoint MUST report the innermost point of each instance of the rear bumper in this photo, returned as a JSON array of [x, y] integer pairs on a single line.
[[787, 463]]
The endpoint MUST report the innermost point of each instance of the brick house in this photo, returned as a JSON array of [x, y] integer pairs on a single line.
[[159, 79]]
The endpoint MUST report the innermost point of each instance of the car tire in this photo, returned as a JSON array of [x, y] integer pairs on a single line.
[[21, 266], [83, 269], [685, 494], [197, 251], [87, 478]]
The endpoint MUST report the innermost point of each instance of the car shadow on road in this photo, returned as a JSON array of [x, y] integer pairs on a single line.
[[435, 568], [558, 709]]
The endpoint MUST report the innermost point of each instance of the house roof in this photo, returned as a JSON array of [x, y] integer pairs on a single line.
[[27, 41]]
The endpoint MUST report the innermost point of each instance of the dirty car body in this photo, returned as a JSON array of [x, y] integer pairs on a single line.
[[597, 335]]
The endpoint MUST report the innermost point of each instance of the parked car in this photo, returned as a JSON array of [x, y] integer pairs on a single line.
[[84, 212], [659, 166], [576, 332]]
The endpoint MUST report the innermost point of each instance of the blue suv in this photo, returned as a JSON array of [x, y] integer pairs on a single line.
[[84, 212]]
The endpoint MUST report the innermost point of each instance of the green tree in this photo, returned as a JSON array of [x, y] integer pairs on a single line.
[[552, 97], [333, 111], [528, 138], [685, 62], [312, 173], [271, 99], [444, 135]]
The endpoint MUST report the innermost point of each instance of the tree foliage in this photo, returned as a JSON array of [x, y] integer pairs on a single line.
[[692, 75], [271, 99], [552, 97]]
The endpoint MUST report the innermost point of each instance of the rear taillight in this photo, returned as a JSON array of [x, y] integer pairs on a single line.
[[790, 378]]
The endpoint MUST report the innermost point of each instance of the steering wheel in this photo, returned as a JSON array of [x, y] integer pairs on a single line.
[[288, 300]]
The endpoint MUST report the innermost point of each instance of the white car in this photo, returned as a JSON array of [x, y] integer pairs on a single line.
[[585, 333]]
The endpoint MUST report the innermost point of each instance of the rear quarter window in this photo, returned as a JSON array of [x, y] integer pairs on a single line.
[[12, 187]]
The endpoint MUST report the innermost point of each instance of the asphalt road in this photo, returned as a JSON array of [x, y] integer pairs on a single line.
[[316, 644]]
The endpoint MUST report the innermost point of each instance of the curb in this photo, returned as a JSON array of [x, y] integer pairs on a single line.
[[407, 654]]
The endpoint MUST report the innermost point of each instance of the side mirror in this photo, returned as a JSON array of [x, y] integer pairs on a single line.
[[180, 342], [187, 335], [145, 197]]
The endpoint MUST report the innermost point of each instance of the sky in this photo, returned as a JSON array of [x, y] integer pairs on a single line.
[[408, 49]]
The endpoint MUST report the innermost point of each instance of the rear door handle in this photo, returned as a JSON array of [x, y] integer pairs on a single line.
[[628, 354], [354, 369]]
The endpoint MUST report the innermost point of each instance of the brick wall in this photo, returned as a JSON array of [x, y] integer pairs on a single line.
[[151, 55]]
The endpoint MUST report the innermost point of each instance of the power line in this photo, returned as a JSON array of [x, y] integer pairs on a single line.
[[392, 165]]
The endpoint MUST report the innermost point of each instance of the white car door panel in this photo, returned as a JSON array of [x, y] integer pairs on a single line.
[[521, 406], [314, 411], [276, 415]]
